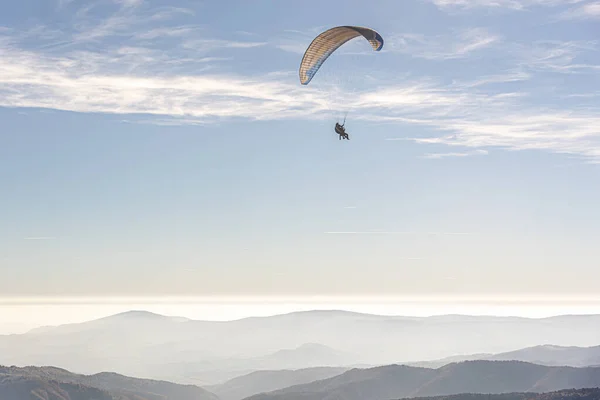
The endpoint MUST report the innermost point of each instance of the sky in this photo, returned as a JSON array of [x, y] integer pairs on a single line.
[[160, 148]]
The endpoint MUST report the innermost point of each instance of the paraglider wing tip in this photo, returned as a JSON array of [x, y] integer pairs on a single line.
[[380, 40]]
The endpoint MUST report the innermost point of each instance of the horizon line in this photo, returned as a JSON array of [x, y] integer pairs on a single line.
[[302, 299]]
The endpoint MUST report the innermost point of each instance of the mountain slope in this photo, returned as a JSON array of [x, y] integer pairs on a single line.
[[568, 394], [452, 359], [23, 388], [554, 355], [59, 382], [266, 381], [308, 354], [395, 381], [550, 355]]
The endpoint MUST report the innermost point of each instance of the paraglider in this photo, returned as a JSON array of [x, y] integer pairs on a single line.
[[329, 41], [324, 45]]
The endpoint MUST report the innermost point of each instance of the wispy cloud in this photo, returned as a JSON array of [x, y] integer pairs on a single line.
[[516, 75], [540, 55], [396, 233], [31, 80], [442, 47], [99, 20], [456, 154], [555, 56], [585, 11], [39, 238], [207, 45], [507, 4], [179, 31]]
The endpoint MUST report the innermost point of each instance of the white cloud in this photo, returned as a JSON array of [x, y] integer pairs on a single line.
[[178, 31], [541, 55], [442, 47], [83, 82], [208, 45], [585, 11], [555, 56], [476, 120], [515, 75], [507, 4], [456, 154], [292, 47], [396, 233], [128, 19]]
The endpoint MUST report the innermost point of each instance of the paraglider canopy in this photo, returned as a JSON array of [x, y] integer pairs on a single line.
[[329, 41]]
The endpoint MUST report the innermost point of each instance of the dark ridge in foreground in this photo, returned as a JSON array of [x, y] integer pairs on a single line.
[[401, 381], [50, 383], [567, 394]]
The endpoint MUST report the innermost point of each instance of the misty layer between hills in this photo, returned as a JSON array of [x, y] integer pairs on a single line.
[[148, 345]]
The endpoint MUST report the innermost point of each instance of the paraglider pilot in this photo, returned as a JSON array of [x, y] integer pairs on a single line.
[[340, 130]]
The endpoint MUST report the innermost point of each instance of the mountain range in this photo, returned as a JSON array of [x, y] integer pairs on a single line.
[[148, 345], [395, 381], [469, 380], [567, 394]]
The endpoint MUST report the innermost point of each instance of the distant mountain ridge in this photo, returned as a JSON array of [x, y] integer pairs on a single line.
[[397, 381], [554, 355], [140, 343]]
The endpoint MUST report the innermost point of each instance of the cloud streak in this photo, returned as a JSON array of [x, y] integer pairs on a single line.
[[499, 4], [396, 233], [443, 47], [455, 154], [556, 56], [585, 11]]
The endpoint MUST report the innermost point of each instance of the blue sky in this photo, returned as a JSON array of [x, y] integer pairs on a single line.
[[159, 148]]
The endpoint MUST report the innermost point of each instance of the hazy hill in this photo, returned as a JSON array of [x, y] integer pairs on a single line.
[[449, 360], [206, 352], [266, 381], [568, 394], [551, 355], [395, 381], [308, 354], [56, 382], [554, 355]]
